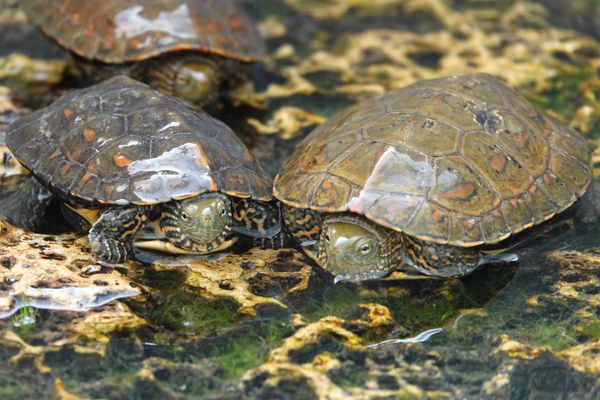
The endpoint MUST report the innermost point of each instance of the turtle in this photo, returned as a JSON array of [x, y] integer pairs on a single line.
[[183, 47], [425, 180], [128, 159]]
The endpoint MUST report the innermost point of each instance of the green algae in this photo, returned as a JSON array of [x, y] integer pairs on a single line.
[[248, 351], [592, 329], [563, 96]]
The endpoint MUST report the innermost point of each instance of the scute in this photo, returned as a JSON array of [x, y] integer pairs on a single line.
[[462, 160], [117, 31], [153, 153]]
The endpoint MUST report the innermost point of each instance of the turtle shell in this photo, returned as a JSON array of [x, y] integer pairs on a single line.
[[121, 142], [117, 31], [460, 160]]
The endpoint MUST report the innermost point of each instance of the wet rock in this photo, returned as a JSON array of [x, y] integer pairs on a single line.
[[251, 279], [54, 272]]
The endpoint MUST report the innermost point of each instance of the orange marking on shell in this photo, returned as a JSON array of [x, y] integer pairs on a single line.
[[65, 168], [496, 213], [532, 189], [247, 156], [109, 190], [496, 202], [69, 156], [440, 98], [460, 191], [89, 134], [498, 162], [235, 23], [412, 203], [514, 203], [326, 185], [86, 177], [320, 158], [54, 155], [522, 139], [68, 113], [438, 215], [121, 161], [547, 179]]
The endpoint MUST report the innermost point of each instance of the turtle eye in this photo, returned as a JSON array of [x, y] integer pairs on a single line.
[[365, 249], [223, 211], [327, 237], [184, 216]]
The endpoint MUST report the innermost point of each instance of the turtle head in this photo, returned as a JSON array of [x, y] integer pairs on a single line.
[[353, 249], [196, 80], [202, 224]]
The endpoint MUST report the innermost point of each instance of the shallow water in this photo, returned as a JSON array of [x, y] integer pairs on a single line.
[[270, 324]]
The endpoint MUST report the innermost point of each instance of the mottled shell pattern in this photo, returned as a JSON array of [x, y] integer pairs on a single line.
[[117, 31], [460, 160], [121, 142]]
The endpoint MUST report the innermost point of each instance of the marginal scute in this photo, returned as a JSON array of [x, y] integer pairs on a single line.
[[466, 161], [517, 214], [140, 152], [465, 229], [494, 226], [538, 202]]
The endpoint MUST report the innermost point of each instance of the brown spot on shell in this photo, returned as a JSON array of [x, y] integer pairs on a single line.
[[68, 113], [109, 189], [247, 156], [498, 162], [86, 177], [89, 134], [121, 161], [521, 140], [235, 23], [460, 191]]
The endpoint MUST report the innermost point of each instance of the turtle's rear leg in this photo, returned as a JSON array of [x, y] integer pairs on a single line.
[[110, 236], [23, 201]]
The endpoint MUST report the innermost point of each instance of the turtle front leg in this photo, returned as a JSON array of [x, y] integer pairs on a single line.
[[110, 236], [192, 78]]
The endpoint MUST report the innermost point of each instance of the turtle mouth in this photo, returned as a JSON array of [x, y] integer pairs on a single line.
[[165, 246]]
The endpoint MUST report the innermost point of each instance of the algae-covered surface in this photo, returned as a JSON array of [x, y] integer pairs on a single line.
[[269, 324]]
